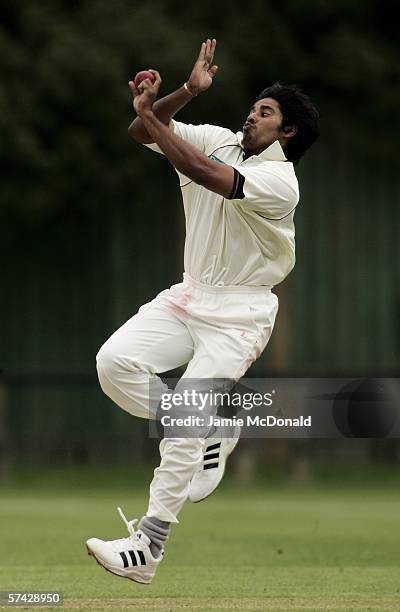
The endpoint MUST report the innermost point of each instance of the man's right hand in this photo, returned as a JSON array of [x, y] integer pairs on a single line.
[[202, 75], [164, 109]]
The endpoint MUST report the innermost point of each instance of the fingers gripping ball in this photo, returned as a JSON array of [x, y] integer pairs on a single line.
[[142, 75]]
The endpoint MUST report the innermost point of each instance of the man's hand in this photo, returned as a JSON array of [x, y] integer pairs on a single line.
[[202, 75], [145, 94]]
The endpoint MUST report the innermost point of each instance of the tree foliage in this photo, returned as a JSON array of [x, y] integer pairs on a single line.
[[65, 104]]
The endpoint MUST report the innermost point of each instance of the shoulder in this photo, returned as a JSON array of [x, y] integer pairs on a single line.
[[214, 136], [282, 169], [265, 171]]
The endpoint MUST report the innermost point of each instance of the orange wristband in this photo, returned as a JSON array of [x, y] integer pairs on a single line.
[[186, 86]]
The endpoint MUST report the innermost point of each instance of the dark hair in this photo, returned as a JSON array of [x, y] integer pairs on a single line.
[[297, 109]]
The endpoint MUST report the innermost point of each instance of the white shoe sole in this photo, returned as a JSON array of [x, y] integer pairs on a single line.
[[118, 571], [230, 451]]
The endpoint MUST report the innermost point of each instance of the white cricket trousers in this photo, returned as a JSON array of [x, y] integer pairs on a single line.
[[217, 330]]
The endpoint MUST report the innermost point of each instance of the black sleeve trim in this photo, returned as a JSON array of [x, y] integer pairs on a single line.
[[237, 188], [278, 218]]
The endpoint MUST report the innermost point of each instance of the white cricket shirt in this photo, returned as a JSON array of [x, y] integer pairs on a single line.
[[249, 241]]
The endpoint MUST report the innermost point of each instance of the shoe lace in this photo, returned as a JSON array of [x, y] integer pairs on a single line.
[[129, 524], [131, 528]]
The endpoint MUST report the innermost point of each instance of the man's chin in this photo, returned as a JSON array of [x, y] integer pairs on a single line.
[[246, 141]]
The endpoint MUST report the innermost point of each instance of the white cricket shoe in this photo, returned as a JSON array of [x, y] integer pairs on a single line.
[[128, 557], [210, 473]]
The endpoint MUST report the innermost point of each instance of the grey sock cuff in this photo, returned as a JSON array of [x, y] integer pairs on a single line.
[[157, 522], [155, 529]]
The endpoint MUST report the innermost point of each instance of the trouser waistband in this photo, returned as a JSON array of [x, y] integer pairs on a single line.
[[221, 288]]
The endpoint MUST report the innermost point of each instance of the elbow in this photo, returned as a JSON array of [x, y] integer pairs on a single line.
[[135, 131], [132, 131], [138, 133]]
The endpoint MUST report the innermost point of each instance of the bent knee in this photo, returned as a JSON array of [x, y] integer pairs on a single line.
[[106, 359], [112, 362]]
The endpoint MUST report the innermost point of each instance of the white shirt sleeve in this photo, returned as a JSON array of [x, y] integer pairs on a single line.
[[268, 190], [204, 137]]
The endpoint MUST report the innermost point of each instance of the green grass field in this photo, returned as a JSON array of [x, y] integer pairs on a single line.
[[245, 548]]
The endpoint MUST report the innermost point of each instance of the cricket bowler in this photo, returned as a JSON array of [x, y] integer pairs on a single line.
[[240, 194]]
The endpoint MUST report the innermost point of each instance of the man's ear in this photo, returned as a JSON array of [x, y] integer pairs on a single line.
[[290, 130]]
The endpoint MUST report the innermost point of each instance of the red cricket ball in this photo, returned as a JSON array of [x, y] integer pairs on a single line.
[[142, 75]]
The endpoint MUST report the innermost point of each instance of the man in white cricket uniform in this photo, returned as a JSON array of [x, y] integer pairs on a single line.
[[239, 193]]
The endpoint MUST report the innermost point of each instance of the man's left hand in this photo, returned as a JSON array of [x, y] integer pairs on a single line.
[[145, 94]]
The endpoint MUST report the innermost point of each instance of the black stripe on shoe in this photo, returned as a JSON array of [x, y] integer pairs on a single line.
[[133, 557], [124, 559], [212, 456], [209, 466], [213, 447], [141, 555]]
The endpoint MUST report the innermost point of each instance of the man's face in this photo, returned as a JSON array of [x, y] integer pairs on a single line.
[[262, 126]]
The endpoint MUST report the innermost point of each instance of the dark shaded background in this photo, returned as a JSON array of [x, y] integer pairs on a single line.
[[92, 223]]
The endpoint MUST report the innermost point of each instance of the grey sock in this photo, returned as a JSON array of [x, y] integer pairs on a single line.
[[157, 531]]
